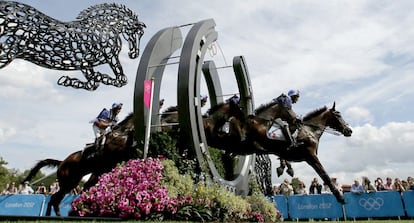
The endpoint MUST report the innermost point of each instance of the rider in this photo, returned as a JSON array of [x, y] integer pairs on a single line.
[[106, 119], [285, 102], [203, 99]]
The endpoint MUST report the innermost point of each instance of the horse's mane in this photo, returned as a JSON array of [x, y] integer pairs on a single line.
[[215, 108], [167, 112], [263, 107], [314, 113], [94, 11], [125, 121]]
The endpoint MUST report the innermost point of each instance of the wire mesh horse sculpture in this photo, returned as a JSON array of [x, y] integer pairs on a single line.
[[118, 147], [94, 39], [314, 125]]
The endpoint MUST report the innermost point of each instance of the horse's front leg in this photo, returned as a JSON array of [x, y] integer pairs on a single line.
[[289, 169], [120, 78], [282, 166], [314, 162]]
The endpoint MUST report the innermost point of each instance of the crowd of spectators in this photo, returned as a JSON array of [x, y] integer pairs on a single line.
[[287, 188], [26, 188]]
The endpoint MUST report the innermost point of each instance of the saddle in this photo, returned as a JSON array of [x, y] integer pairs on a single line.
[[274, 132]]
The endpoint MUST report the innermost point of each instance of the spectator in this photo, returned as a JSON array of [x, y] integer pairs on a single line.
[[398, 186], [41, 189], [388, 184], [368, 187], [410, 181], [54, 187], [10, 189], [315, 187], [285, 188], [356, 187], [301, 189], [379, 184], [275, 189], [27, 189], [326, 189]]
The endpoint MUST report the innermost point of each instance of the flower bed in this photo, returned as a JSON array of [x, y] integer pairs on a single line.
[[144, 190]]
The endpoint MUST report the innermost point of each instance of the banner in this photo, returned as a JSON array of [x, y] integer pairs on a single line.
[[408, 198], [314, 206], [376, 204], [65, 206], [281, 205], [147, 93], [21, 204]]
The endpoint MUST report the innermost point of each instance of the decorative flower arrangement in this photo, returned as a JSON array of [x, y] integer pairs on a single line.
[[137, 190]]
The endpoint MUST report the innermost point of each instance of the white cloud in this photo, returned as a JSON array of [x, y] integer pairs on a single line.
[[359, 54]]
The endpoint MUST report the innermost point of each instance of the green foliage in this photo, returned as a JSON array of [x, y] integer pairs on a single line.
[[162, 144], [260, 204], [177, 185], [223, 162]]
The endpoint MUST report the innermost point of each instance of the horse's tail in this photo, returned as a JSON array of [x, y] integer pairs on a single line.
[[40, 165]]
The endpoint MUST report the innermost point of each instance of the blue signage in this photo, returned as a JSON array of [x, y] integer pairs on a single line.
[[65, 206], [21, 204], [314, 206], [408, 198], [376, 204], [281, 205]]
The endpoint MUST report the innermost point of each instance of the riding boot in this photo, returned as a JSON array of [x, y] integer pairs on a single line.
[[289, 137]]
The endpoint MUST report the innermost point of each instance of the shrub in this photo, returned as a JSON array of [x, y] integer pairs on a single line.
[[151, 189]]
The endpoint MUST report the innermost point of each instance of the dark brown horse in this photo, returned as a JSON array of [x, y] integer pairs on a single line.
[[118, 147], [223, 126], [221, 115], [314, 125]]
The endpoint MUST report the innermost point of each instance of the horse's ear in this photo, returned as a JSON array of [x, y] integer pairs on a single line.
[[333, 107]]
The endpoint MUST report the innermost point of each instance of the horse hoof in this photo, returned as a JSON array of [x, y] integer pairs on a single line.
[[279, 171], [290, 172]]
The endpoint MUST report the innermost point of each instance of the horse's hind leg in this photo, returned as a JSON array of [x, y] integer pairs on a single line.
[[54, 202], [120, 78]]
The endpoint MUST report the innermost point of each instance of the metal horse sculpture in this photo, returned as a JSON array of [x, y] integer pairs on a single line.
[[118, 147], [314, 125], [94, 39]]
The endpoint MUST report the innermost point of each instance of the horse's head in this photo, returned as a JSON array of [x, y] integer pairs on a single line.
[[120, 19], [336, 122], [132, 32]]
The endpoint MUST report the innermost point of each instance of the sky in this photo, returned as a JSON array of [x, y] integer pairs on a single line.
[[358, 54]]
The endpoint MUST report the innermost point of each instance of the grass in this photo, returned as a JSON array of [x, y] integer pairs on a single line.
[[65, 220]]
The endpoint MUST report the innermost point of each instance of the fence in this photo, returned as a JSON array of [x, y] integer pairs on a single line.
[[368, 205], [31, 205]]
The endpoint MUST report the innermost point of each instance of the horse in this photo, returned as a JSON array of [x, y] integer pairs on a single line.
[[93, 39], [314, 125], [118, 147]]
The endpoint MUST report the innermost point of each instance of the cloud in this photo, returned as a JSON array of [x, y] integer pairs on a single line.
[[370, 151]]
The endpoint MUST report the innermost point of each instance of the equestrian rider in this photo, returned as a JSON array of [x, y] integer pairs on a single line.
[[106, 119], [203, 99], [285, 103]]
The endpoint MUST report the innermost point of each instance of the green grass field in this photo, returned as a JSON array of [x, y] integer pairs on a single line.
[[132, 221]]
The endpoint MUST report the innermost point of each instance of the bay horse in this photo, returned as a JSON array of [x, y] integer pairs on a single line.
[[225, 113], [314, 125], [91, 40], [118, 147]]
